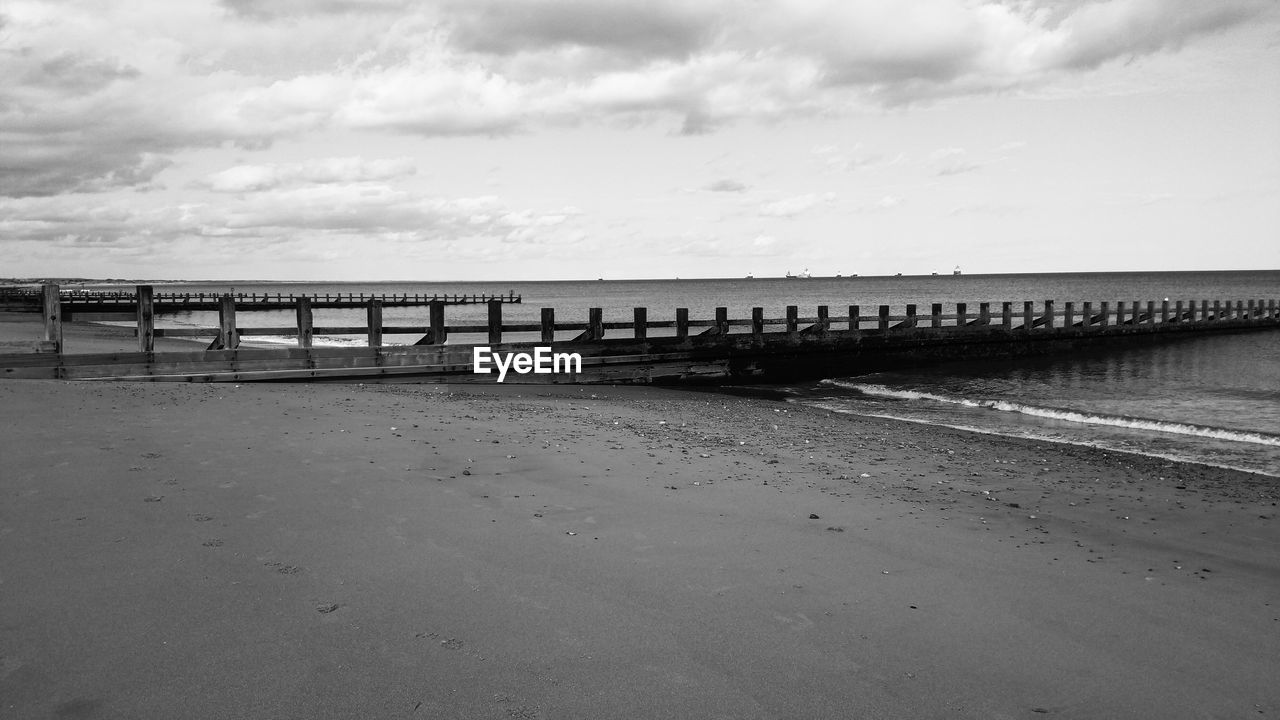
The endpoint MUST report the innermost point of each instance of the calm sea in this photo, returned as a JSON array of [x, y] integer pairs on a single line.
[[1209, 399]]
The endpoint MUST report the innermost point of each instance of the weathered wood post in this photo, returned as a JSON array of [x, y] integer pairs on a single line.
[[1006, 316], [682, 323], [1239, 309], [1178, 315], [306, 322], [1028, 315], [824, 319], [793, 319], [1048, 315], [910, 322], [855, 318], [935, 315], [146, 312], [883, 324], [1271, 308], [52, 312], [373, 316], [1087, 321], [1252, 308], [495, 322], [228, 335], [1104, 313], [757, 321], [984, 313], [1120, 313], [722, 321], [1164, 310], [641, 322], [548, 325], [1217, 310], [962, 314], [437, 334], [1151, 313], [595, 323]]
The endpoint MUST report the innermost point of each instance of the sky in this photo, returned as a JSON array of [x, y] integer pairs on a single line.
[[565, 139]]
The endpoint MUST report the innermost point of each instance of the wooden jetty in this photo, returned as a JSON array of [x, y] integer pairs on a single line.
[[94, 305], [680, 350]]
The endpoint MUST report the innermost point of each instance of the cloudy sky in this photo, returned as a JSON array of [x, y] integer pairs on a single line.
[[546, 139]]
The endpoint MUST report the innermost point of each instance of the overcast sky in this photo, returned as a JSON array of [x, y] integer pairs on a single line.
[[548, 139]]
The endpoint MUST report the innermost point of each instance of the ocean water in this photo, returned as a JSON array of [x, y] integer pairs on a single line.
[[1211, 399]]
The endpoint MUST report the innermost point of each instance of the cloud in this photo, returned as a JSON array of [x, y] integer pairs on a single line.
[[101, 96], [725, 185], [256, 178], [792, 206], [953, 161]]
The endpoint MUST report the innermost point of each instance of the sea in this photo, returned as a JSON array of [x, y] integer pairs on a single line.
[[1208, 399]]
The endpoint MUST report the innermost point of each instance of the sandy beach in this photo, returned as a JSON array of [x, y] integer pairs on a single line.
[[380, 551]]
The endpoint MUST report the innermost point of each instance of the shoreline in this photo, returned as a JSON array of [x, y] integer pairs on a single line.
[[542, 551]]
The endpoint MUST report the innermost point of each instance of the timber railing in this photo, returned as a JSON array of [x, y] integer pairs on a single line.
[[102, 302], [1027, 318]]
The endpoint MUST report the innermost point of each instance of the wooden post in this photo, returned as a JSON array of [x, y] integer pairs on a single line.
[[548, 325], [935, 315], [438, 334], [1119, 313], [824, 321], [595, 323], [962, 314], [884, 318], [641, 322], [1164, 310], [1252, 307], [682, 323], [1239, 309], [373, 316], [757, 321], [1087, 322], [1104, 314], [228, 335], [1271, 308], [1028, 315], [984, 313], [1006, 316], [1217, 310], [1048, 315], [855, 318], [146, 313], [793, 319], [1068, 314], [1151, 313], [495, 322], [910, 322], [722, 320], [306, 322], [52, 310]]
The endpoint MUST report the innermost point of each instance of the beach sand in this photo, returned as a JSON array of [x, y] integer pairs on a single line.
[[397, 551]]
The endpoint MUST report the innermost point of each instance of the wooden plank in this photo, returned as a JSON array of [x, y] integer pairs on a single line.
[[306, 329], [146, 318], [52, 311], [495, 322], [439, 334], [373, 321]]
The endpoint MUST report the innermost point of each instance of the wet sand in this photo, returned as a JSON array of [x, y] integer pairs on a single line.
[[338, 551]]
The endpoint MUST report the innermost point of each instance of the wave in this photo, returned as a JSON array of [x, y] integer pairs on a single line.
[[1065, 414]]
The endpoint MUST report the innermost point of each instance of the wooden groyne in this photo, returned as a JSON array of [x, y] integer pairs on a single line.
[[122, 304], [681, 349]]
